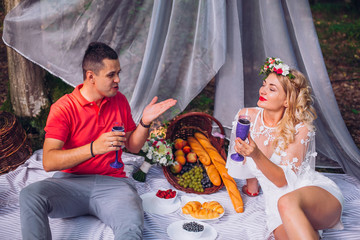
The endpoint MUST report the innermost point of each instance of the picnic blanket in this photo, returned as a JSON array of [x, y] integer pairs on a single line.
[[247, 225]]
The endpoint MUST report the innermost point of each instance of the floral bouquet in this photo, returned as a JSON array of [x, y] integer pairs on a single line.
[[158, 151]]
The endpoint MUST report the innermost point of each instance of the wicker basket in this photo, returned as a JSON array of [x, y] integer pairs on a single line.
[[14, 146], [186, 125]]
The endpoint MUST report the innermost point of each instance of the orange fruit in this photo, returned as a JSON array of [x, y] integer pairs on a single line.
[[179, 153], [181, 159]]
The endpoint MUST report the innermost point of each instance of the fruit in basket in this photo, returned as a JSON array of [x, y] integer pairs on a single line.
[[205, 182], [186, 149], [179, 153], [179, 143], [191, 157], [181, 159], [187, 167], [192, 179], [176, 168]]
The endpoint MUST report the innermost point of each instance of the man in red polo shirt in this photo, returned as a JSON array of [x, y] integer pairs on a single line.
[[80, 145]]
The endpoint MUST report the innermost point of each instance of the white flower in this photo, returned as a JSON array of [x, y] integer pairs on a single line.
[[278, 66], [158, 151], [145, 148], [149, 154]]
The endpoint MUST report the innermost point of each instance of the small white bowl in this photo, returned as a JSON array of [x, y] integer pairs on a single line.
[[164, 200]]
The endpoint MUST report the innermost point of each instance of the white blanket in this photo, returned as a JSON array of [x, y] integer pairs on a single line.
[[247, 225]]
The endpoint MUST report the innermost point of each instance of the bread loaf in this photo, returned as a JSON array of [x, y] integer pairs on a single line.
[[213, 174], [199, 150], [219, 163]]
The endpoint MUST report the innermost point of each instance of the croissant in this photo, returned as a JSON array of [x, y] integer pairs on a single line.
[[204, 214], [191, 207], [213, 205]]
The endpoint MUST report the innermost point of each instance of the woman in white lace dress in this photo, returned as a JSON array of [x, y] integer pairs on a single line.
[[280, 155]]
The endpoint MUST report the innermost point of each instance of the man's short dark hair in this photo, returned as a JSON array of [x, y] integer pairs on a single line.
[[94, 56]]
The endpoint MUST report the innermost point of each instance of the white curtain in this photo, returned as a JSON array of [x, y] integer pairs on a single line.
[[173, 48]]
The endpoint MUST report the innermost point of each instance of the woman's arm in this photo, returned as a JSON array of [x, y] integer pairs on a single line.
[[271, 171], [292, 157]]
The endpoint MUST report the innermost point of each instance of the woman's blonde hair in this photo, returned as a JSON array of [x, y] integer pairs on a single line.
[[299, 110]]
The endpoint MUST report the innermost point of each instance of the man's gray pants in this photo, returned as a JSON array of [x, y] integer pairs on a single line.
[[114, 201]]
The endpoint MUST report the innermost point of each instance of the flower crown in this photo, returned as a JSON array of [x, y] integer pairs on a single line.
[[275, 65]]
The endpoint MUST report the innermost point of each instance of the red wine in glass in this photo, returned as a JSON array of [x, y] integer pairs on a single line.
[[117, 128], [242, 131]]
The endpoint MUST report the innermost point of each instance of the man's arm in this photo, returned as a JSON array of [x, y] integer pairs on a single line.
[[55, 158], [136, 139]]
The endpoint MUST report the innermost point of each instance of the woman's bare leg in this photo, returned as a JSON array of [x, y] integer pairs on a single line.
[[280, 233], [252, 185], [306, 210]]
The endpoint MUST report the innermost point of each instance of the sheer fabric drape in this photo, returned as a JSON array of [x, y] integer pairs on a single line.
[[174, 48]]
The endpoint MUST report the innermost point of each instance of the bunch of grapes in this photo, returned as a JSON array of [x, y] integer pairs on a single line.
[[192, 179], [187, 167], [205, 182]]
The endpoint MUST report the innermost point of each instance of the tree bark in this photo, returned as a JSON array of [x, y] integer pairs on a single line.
[[26, 80]]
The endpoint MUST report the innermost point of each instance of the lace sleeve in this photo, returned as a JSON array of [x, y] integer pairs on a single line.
[[300, 155]]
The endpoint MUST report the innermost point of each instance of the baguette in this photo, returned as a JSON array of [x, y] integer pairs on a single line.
[[219, 163], [199, 150], [213, 174]]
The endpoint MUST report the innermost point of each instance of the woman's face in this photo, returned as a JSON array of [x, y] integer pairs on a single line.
[[272, 95]]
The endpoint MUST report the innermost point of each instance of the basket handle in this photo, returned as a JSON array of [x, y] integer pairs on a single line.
[[185, 115]]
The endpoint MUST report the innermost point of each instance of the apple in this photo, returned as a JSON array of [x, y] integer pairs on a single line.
[[186, 149], [176, 167], [181, 159], [191, 157], [179, 153], [179, 143]]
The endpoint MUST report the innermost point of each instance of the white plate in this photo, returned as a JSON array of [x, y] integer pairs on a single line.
[[186, 199], [176, 231], [151, 205]]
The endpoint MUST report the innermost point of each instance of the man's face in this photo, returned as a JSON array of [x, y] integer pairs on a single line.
[[107, 79]]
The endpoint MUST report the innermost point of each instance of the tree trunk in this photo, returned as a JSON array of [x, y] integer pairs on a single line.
[[26, 80]]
